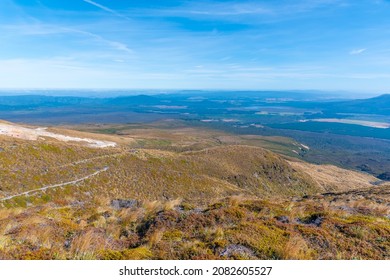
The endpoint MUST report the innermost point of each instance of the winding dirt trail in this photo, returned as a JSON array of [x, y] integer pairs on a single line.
[[55, 186], [69, 182], [87, 160]]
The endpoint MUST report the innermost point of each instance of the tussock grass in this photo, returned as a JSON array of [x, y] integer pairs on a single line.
[[152, 206], [170, 205], [232, 228]]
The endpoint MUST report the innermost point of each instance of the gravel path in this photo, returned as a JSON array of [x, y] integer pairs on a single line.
[[56, 185]]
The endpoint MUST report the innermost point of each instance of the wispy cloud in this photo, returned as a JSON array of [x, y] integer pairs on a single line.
[[209, 9], [104, 8], [113, 44], [236, 9], [246, 11], [120, 47], [40, 29], [357, 51], [190, 44]]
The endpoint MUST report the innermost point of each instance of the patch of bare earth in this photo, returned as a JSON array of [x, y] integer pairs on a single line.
[[28, 133]]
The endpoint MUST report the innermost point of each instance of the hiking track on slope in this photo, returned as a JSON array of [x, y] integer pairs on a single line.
[[55, 186]]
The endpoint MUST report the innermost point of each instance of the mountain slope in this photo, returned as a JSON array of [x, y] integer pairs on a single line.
[[152, 174], [379, 105], [67, 200]]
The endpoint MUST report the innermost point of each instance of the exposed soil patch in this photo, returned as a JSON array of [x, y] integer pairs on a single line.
[[37, 133]]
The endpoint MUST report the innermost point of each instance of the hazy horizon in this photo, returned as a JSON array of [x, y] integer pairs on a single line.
[[106, 92]]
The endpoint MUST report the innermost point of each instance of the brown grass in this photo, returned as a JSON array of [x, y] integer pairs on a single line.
[[196, 199], [332, 178]]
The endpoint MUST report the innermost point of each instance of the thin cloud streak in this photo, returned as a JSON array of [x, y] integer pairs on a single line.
[[49, 29], [104, 8], [357, 51], [113, 44], [247, 11]]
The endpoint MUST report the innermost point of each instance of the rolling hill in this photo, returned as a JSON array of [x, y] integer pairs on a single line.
[[68, 200]]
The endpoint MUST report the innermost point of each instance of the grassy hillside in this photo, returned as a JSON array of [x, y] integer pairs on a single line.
[[145, 174], [182, 194], [319, 227]]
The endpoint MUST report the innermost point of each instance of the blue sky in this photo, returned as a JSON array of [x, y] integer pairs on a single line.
[[172, 44]]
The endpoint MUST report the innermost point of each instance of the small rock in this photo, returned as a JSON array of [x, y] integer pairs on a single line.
[[124, 203], [234, 250], [283, 219], [106, 215], [314, 220], [67, 243]]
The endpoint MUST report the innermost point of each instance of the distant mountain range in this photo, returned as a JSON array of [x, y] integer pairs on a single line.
[[376, 105]]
